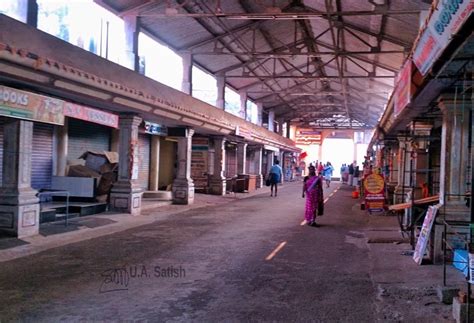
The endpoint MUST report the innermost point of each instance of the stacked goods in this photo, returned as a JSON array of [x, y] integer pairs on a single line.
[[101, 165]]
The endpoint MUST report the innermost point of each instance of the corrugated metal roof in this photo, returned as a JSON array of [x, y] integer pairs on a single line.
[[291, 46]]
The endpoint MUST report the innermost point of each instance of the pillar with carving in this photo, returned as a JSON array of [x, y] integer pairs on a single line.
[[19, 206], [183, 185], [126, 194], [217, 182]]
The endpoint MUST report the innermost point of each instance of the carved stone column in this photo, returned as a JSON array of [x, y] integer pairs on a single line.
[[19, 207], [154, 163], [217, 180], [183, 185], [126, 194], [454, 159]]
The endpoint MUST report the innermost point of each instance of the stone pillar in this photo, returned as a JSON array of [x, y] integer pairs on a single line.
[[132, 31], [220, 102], [454, 159], [61, 148], [187, 82], [243, 105], [259, 113], [126, 194], [241, 158], [217, 180], [19, 207], [115, 140], [154, 163], [183, 186], [258, 154], [404, 164], [271, 120]]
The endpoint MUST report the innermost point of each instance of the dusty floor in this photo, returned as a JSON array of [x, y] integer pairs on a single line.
[[209, 264]]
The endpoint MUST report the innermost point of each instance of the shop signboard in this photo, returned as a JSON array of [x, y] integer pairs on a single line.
[[25, 105], [308, 137], [77, 111], [444, 23], [402, 93], [374, 187], [155, 129], [424, 236]]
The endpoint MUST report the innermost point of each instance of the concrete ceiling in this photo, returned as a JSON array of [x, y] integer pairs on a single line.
[[318, 63]]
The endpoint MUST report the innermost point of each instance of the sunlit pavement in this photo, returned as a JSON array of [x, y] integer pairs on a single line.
[[241, 260]]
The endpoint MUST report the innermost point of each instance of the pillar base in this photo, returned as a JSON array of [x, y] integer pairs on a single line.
[[259, 181], [455, 211], [126, 198], [19, 220], [217, 186], [183, 191], [19, 212]]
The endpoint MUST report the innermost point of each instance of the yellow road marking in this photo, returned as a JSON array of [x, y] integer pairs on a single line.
[[274, 252]]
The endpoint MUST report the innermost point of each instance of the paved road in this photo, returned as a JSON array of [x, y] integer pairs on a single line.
[[208, 264]]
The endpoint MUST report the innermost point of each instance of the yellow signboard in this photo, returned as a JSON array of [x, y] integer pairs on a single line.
[[25, 105]]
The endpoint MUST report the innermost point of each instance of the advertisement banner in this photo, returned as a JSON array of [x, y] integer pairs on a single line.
[[424, 236], [25, 105], [91, 115], [374, 188], [444, 23], [402, 93]]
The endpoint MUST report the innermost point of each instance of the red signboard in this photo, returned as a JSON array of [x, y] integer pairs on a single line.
[[91, 115], [444, 23], [402, 93]]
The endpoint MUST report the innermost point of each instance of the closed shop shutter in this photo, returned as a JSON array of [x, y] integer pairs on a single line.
[[144, 160], [84, 136], [42, 156], [231, 162], [2, 120]]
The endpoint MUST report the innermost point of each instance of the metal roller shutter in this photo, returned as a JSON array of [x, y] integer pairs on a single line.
[[144, 160], [42, 156], [84, 136], [2, 120]]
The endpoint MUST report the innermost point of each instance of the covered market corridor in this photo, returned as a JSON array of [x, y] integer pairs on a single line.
[[238, 258]]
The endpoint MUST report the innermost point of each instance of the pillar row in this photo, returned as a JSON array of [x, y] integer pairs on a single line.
[[241, 158]]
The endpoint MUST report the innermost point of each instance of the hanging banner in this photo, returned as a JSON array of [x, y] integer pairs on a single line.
[[91, 115], [444, 23], [424, 236], [308, 137], [374, 187], [402, 93], [26, 105]]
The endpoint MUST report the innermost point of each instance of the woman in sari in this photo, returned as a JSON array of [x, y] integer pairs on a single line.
[[313, 190]]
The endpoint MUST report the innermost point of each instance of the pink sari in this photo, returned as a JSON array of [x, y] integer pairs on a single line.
[[314, 192]]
